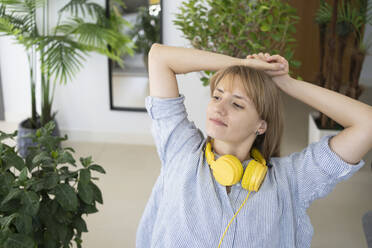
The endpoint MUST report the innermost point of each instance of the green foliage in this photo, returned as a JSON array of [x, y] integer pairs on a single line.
[[324, 13], [351, 16], [238, 28], [41, 200]]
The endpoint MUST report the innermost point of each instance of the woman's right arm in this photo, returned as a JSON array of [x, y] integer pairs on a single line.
[[167, 61]]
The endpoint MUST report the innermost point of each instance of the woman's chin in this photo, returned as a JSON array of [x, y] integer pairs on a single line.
[[214, 134]]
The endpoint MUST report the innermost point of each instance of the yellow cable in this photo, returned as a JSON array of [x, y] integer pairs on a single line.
[[233, 219]]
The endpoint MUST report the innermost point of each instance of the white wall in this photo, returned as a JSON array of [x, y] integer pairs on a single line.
[[83, 104]]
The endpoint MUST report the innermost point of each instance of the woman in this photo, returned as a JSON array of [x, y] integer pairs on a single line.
[[189, 206]]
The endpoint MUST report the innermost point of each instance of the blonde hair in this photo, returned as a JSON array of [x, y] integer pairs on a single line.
[[264, 93]]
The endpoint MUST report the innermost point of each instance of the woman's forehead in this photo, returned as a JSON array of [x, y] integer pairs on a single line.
[[231, 83]]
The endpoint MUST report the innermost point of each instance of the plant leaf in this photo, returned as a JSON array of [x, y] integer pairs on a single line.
[[23, 175], [80, 224], [84, 176], [24, 224], [30, 203], [85, 192], [97, 194], [16, 240], [6, 182], [12, 159], [5, 221], [13, 194], [66, 157], [42, 157], [97, 167], [51, 180], [66, 197], [50, 241]]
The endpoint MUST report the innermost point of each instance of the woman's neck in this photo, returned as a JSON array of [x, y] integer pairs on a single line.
[[239, 150]]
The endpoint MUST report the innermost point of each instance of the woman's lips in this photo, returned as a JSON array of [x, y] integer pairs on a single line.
[[217, 122]]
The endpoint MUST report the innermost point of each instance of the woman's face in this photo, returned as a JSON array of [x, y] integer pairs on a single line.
[[235, 110]]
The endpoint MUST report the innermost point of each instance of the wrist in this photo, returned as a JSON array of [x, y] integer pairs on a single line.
[[246, 62], [238, 61], [282, 80]]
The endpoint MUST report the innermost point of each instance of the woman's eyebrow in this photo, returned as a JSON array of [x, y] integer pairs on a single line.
[[237, 96]]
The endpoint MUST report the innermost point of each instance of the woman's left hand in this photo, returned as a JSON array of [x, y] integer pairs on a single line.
[[275, 74]]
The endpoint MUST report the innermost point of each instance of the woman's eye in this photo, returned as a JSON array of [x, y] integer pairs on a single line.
[[238, 106]]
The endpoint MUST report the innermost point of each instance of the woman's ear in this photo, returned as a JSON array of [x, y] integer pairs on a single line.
[[263, 127]]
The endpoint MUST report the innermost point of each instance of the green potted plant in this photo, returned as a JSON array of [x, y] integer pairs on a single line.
[[344, 21], [146, 31], [60, 49], [238, 28], [42, 201]]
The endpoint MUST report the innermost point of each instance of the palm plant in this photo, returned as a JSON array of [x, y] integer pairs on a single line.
[[57, 52], [343, 21]]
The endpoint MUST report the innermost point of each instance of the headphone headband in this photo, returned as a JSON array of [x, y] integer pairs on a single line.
[[255, 153]]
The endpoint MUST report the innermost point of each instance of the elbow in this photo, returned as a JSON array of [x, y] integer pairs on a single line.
[[153, 49]]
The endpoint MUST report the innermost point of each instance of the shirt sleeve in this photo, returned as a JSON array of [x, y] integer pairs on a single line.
[[172, 131], [316, 170]]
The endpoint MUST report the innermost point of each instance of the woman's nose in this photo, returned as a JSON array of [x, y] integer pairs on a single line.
[[221, 108]]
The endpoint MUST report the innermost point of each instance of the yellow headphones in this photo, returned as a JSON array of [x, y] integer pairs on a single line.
[[228, 170]]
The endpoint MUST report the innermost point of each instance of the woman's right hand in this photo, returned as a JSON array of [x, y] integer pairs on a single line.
[[260, 63], [276, 60]]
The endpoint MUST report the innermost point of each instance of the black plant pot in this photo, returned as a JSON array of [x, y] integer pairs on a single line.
[[23, 130]]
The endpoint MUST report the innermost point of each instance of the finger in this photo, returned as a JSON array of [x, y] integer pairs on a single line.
[[273, 57], [277, 58], [276, 67], [267, 55], [261, 55]]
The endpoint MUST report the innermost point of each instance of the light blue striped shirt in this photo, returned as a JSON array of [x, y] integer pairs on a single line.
[[188, 208]]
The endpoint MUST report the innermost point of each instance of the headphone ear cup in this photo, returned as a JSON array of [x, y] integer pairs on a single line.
[[227, 170], [253, 176]]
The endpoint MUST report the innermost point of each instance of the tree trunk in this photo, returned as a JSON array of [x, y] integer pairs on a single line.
[[338, 74], [357, 58], [320, 79], [354, 91], [332, 48]]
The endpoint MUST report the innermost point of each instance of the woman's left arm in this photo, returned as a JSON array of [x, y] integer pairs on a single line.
[[352, 143]]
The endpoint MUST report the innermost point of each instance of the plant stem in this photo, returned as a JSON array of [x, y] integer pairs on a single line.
[[32, 82]]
